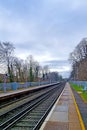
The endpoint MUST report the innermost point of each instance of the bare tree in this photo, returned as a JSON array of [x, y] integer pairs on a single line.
[[6, 56], [18, 63], [36, 68], [30, 61], [78, 59]]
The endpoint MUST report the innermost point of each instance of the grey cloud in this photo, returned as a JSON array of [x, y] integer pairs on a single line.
[[59, 65], [49, 28], [57, 62], [65, 74]]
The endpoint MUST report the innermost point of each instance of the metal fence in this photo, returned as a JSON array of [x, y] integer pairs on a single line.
[[81, 83], [16, 85]]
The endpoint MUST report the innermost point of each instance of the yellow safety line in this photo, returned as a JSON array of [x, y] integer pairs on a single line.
[[79, 115]]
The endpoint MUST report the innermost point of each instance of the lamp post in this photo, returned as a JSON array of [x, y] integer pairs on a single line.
[[5, 79], [39, 76]]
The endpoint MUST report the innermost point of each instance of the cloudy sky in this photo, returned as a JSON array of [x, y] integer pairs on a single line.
[[47, 29]]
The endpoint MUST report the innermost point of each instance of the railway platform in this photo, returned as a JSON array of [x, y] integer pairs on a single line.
[[22, 91], [65, 114]]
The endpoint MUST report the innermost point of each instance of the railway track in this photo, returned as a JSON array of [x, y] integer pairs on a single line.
[[21, 103], [32, 114], [4, 103]]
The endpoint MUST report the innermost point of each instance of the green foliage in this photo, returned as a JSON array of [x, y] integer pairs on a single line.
[[31, 75], [11, 77], [84, 96], [1, 81], [78, 89]]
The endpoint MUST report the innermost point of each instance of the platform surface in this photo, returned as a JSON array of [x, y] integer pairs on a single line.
[[22, 90], [64, 115]]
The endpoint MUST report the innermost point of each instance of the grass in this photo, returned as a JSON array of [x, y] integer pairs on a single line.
[[84, 96], [77, 88], [80, 91]]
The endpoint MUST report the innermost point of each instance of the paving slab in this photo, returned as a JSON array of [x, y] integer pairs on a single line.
[[62, 108], [56, 126], [59, 116], [74, 126]]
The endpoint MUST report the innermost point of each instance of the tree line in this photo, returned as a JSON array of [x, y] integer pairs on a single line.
[[78, 59], [20, 70]]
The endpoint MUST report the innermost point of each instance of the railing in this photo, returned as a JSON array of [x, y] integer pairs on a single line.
[[18, 85], [81, 83]]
